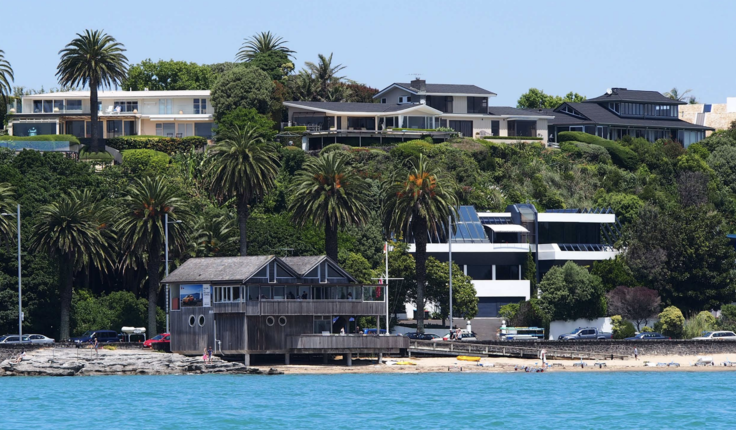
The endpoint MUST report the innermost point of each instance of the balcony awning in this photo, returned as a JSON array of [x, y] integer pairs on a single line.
[[506, 228]]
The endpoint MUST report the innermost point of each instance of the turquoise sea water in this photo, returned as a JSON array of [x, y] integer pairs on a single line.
[[626, 400]]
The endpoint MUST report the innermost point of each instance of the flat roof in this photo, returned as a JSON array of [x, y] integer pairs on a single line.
[[120, 94], [507, 228]]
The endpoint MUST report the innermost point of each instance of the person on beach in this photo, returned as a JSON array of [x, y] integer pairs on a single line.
[[21, 356], [96, 345], [204, 356], [209, 354], [636, 353]]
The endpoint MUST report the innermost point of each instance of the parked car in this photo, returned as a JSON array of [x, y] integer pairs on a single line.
[[717, 335], [430, 336], [102, 336], [15, 339], [585, 333], [413, 335], [648, 336], [464, 336], [159, 338], [40, 339]]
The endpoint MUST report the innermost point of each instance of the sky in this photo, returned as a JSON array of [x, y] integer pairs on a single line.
[[503, 46]]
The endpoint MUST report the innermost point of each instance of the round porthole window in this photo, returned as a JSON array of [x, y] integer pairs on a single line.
[[201, 320], [270, 321], [191, 320], [282, 321]]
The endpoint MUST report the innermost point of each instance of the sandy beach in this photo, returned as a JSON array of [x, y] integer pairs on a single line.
[[86, 362]]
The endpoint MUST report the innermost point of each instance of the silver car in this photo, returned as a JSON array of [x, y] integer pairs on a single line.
[[40, 339], [717, 335], [15, 339]]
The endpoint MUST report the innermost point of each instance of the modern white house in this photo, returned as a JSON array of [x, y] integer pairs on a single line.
[[121, 113], [412, 110], [493, 247]]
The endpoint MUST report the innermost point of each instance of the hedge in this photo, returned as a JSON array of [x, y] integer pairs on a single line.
[[102, 156], [586, 151], [334, 147], [621, 156], [44, 138], [296, 128], [169, 145], [410, 149], [512, 138], [145, 161]]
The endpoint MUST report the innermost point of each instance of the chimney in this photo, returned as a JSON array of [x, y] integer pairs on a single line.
[[419, 84]]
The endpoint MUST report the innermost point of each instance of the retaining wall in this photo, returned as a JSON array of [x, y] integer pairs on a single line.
[[626, 347], [12, 350]]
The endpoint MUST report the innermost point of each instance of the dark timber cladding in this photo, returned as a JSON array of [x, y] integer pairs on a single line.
[[272, 305]]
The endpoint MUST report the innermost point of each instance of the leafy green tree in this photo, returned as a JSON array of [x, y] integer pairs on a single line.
[[261, 43], [570, 292], [401, 265], [243, 167], [625, 206], [671, 322], [110, 311], [140, 223], [245, 86], [359, 268], [94, 59], [464, 299], [247, 118], [414, 205], [73, 232], [727, 320], [145, 162], [508, 312], [638, 304], [361, 93], [622, 328], [723, 162], [168, 76], [329, 193], [6, 77], [694, 268], [613, 273], [530, 274], [275, 63], [536, 99]]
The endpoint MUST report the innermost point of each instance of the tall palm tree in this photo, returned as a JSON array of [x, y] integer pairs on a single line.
[[7, 205], [141, 227], [244, 167], [325, 73], [676, 95], [262, 42], [6, 77], [330, 193], [73, 231], [418, 205], [212, 236], [93, 59]]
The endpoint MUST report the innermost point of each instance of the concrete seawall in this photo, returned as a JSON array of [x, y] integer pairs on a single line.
[[624, 347]]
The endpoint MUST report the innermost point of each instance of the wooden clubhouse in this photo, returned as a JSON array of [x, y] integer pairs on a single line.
[[243, 306]]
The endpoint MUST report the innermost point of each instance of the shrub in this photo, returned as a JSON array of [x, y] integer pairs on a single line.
[[145, 161], [586, 151], [508, 312], [671, 322], [621, 156], [695, 326], [334, 147], [242, 118], [410, 149], [296, 128], [97, 157], [169, 145], [646, 329], [622, 328]]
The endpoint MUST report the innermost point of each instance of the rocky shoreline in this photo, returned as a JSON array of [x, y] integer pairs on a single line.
[[85, 362]]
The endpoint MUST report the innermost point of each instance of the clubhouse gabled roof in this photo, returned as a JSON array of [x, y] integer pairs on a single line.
[[637, 96], [241, 269], [440, 89]]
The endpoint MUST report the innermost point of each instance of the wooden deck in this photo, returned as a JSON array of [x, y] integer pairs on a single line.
[[335, 344], [512, 350]]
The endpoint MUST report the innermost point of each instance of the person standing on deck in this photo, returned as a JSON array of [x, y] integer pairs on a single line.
[[209, 354]]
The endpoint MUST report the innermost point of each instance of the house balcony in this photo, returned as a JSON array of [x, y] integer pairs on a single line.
[[301, 307], [335, 343], [576, 252]]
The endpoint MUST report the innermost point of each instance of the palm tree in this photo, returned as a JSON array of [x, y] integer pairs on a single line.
[[330, 193], [262, 42], [7, 205], [418, 205], [676, 95], [6, 77], [140, 224], [212, 236], [325, 73], [93, 59], [243, 166], [73, 231]]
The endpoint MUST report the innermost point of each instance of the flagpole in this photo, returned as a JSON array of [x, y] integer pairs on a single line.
[[388, 328]]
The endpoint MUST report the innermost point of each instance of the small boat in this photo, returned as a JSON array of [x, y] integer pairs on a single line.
[[405, 363], [467, 358]]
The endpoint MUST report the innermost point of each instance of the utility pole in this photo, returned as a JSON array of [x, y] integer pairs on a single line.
[[449, 247]]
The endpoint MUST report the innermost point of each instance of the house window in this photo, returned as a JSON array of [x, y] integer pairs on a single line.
[[477, 105], [200, 106], [227, 294], [203, 129], [495, 128], [184, 129], [577, 128], [165, 106], [405, 99], [383, 100], [73, 105], [58, 105], [441, 103], [125, 106], [322, 324], [165, 129]]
